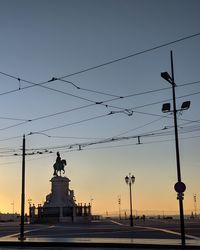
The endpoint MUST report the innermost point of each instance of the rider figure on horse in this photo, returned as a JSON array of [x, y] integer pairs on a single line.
[[58, 159], [59, 165]]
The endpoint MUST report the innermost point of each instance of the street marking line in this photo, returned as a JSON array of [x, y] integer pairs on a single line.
[[160, 229], [169, 231], [27, 231], [118, 223]]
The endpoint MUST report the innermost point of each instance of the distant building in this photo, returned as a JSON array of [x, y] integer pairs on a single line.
[[9, 217]]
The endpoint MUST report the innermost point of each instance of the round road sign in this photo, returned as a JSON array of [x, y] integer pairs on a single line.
[[180, 187]]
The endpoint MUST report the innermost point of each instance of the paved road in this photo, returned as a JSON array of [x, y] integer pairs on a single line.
[[106, 229], [192, 227]]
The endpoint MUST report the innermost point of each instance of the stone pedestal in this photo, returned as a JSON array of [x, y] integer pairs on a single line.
[[61, 195], [60, 205]]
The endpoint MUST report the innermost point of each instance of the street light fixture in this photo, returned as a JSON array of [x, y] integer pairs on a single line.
[[179, 186], [129, 181], [166, 107], [185, 105], [167, 77]]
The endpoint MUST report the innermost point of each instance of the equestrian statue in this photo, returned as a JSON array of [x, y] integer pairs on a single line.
[[59, 165]]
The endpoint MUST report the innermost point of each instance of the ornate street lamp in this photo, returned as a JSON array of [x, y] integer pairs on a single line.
[[129, 181]]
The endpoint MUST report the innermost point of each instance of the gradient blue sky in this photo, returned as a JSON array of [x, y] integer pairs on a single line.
[[45, 39]]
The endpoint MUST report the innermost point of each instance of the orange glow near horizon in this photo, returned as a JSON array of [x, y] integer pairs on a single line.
[[104, 195]]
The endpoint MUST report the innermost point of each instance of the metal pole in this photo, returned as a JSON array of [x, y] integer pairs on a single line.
[[13, 210], [195, 205], [21, 237], [131, 210], [177, 153], [119, 203]]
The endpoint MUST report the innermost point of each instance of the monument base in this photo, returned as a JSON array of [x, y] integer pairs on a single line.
[[61, 195], [60, 205]]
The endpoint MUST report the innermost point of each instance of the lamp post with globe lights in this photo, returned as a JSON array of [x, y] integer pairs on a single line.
[[129, 181]]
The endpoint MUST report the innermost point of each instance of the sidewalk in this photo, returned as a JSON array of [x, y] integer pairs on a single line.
[[100, 243]]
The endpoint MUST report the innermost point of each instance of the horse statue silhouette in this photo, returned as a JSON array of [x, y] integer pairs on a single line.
[[59, 165]]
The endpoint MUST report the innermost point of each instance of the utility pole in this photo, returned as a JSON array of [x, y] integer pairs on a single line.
[[119, 203], [21, 237], [195, 205], [13, 210]]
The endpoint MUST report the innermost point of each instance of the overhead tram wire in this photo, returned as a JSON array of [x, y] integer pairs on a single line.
[[69, 94], [166, 100], [116, 97], [94, 67], [75, 137], [11, 138], [117, 139], [104, 140], [93, 148], [45, 87], [193, 128], [127, 96], [79, 97], [85, 120], [120, 108], [188, 83], [101, 65], [39, 118], [42, 117], [106, 105], [100, 102], [47, 116], [131, 55], [15, 125], [13, 119], [74, 147], [96, 103], [74, 123], [62, 112], [133, 109], [154, 133], [133, 144], [141, 126], [158, 132], [89, 90]]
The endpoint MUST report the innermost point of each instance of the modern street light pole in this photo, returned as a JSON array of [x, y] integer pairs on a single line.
[[179, 186], [177, 154], [21, 237], [130, 180]]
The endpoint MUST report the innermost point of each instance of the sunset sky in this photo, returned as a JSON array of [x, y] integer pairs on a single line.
[[108, 56]]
